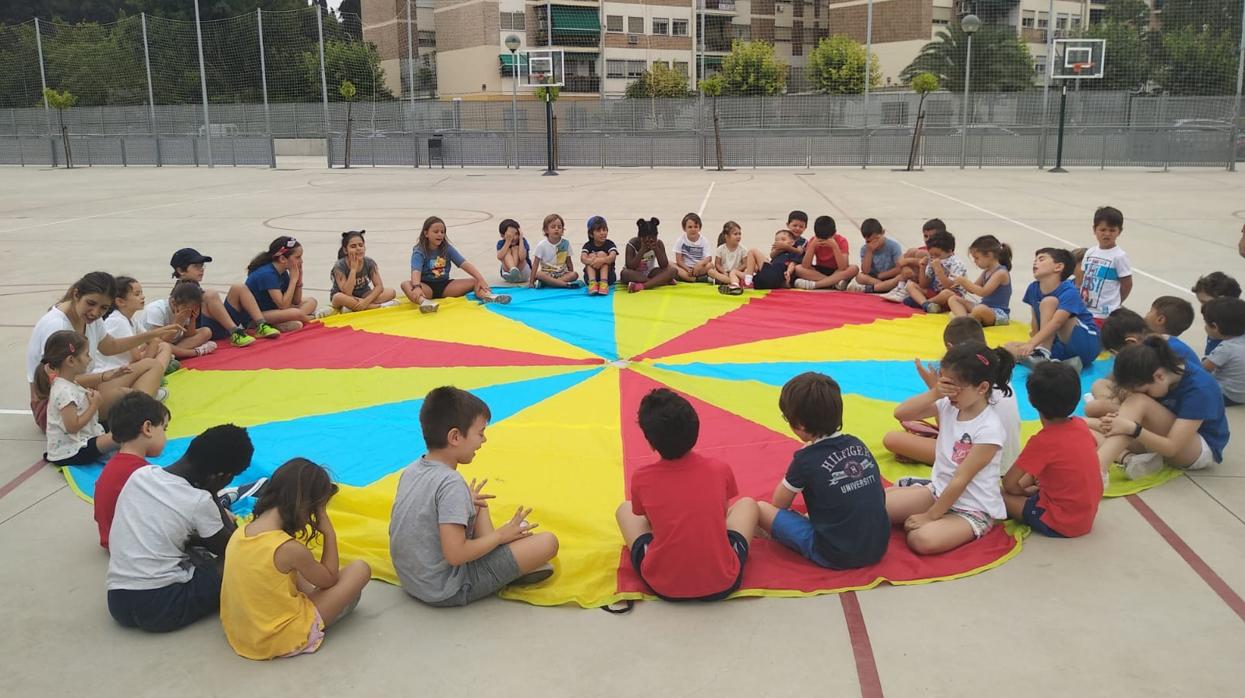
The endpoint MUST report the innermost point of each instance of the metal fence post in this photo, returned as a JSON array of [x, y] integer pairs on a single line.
[[207, 121], [43, 80], [1236, 102], [324, 83], [410, 72], [263, 68], [1050, 67], [151, 93]]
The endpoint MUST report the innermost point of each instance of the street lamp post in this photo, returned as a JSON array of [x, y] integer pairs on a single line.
[[512, 43], [969, 24]]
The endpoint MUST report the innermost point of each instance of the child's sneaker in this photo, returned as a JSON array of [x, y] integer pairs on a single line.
[[389, 304], [573, 284], [265, 331], [206, 348], [635, 287], [1074, 362], [703, 279], [730, 290], [511, 275], [748, 281], [493, 298], [536, 576], [1037, 356], [323, 312], [231, 495], [842, 285], [174, 364], [932, 308], [804, 284], [290, 326], [1141, 465], [162, 394], [853, 287], [241, 339], [426, 306]]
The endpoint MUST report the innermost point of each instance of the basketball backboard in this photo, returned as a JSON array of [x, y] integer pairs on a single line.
[[1078, 59], [545, 68]]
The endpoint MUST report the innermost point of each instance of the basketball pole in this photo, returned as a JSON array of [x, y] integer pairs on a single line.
[[1063, 110], [549, 171]]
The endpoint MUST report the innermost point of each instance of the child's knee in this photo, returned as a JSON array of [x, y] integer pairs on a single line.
[[923, 542], [547, 545]]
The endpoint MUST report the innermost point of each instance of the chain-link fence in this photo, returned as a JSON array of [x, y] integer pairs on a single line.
[[833, 83]]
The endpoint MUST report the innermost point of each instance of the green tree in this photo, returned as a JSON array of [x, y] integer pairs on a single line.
[[1219, 15], [751, 68], [1127, 62], [1132, 12], [659, 81], [1197, 62], [99, 64], [837, 66], [1001, 62], [60, 101], [713, 87], [355, 61]]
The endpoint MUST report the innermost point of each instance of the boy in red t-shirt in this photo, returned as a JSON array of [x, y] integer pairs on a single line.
[[1056, 484], [686, 543], [825, 263], [138, 421]]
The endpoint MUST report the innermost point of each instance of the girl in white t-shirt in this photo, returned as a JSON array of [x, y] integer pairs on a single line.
[[120, 323], [75, 436], [963, 500], [81, 310], [692, 259], [182, 308], [733, 266]]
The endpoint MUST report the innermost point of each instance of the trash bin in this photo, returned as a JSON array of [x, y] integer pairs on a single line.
[[436, 151]]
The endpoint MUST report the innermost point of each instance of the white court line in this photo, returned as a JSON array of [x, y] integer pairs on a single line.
[[705, 201], [1052, 236], [26, 412], [144, 208]]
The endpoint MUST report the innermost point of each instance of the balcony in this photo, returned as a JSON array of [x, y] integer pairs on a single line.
[[1029, 35], [718, 33], [717, 5], [572, 26]]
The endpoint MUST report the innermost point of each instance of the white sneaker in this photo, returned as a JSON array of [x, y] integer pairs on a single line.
[[895, 296], [1141, 465], [290, 326], [842, 285], [324, 311], [426, 306], [853, 287], [206, 348], [389, 304], [162, 394], [804, 284], [343, 310]]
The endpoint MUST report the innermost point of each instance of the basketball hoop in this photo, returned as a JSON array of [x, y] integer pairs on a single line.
[[1078, 67]]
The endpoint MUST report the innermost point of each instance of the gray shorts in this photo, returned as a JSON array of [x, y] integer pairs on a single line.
[[485, 577]]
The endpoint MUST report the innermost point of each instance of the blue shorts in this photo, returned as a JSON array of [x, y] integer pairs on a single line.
[[796, 532], [1001, 316], [168, 608], [1032, 517], [218, 331], [1082, 344]]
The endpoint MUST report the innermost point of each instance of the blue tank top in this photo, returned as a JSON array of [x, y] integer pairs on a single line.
[[1002, 296]]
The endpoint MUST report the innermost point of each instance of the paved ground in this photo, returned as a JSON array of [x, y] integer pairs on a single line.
[[1149, 604]]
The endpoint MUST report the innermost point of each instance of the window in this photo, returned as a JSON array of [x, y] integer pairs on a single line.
[[635, 69], [1061, 22], [661, 25], [681, 67], [635, 25], [743, 32], [678, 27], [1075, 22], [513, 21], [427, 39], [1043, 20], [614, 23], [615, 69], [1028, 19]]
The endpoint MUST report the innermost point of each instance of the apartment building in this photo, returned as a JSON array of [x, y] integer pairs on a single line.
[[609, 43]]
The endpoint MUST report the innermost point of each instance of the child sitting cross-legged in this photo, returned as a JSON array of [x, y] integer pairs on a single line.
[[1169, 315], [963, 500], [733, 265], [825, 263], [847, 525], [692, 256], [169, 533], [1123, 328], [355, 277], [552, 256], [880, 271], [646, 265], [994, 286], [934, 286], [1225, 321], [182, 308], [780, 269], [276, 598], [915, 444], [1061, 328], [138, 422], [122, 323], [1056, 485], [688, 543], [444, 547]]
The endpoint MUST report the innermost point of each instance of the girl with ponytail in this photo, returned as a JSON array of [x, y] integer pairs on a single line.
[[963, 499], [75, 436], [1174, 413], [275, 278]]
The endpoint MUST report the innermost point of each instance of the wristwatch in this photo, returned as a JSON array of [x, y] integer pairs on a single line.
[[1137, 431]]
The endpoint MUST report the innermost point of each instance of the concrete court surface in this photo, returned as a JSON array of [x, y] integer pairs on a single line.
[[1148, 604]]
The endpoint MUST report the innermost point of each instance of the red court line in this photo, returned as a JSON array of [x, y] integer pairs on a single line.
[[22, 477], [862, 649], [1213, 580]]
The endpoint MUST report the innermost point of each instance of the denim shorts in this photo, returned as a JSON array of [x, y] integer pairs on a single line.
[[1032, 517]]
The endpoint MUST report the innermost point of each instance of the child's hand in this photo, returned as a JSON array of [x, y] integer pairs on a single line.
[[929, 373], [323, 523], [946, 388], [517, 527], [478, 498], [295, 274], [482, 288], [916, 521], [356, 263], [959, 281], [168, 332], [1115, 425], [93, 399]]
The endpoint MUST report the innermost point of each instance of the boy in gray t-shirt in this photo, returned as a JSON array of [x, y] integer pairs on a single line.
[[442, 541], [1225, 321]]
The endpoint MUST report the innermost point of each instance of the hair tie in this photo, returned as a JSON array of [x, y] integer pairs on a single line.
[[983, 359], [72, 351]]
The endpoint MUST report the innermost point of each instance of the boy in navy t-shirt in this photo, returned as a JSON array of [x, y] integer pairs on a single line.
[[847, 526], [1062, 328]]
